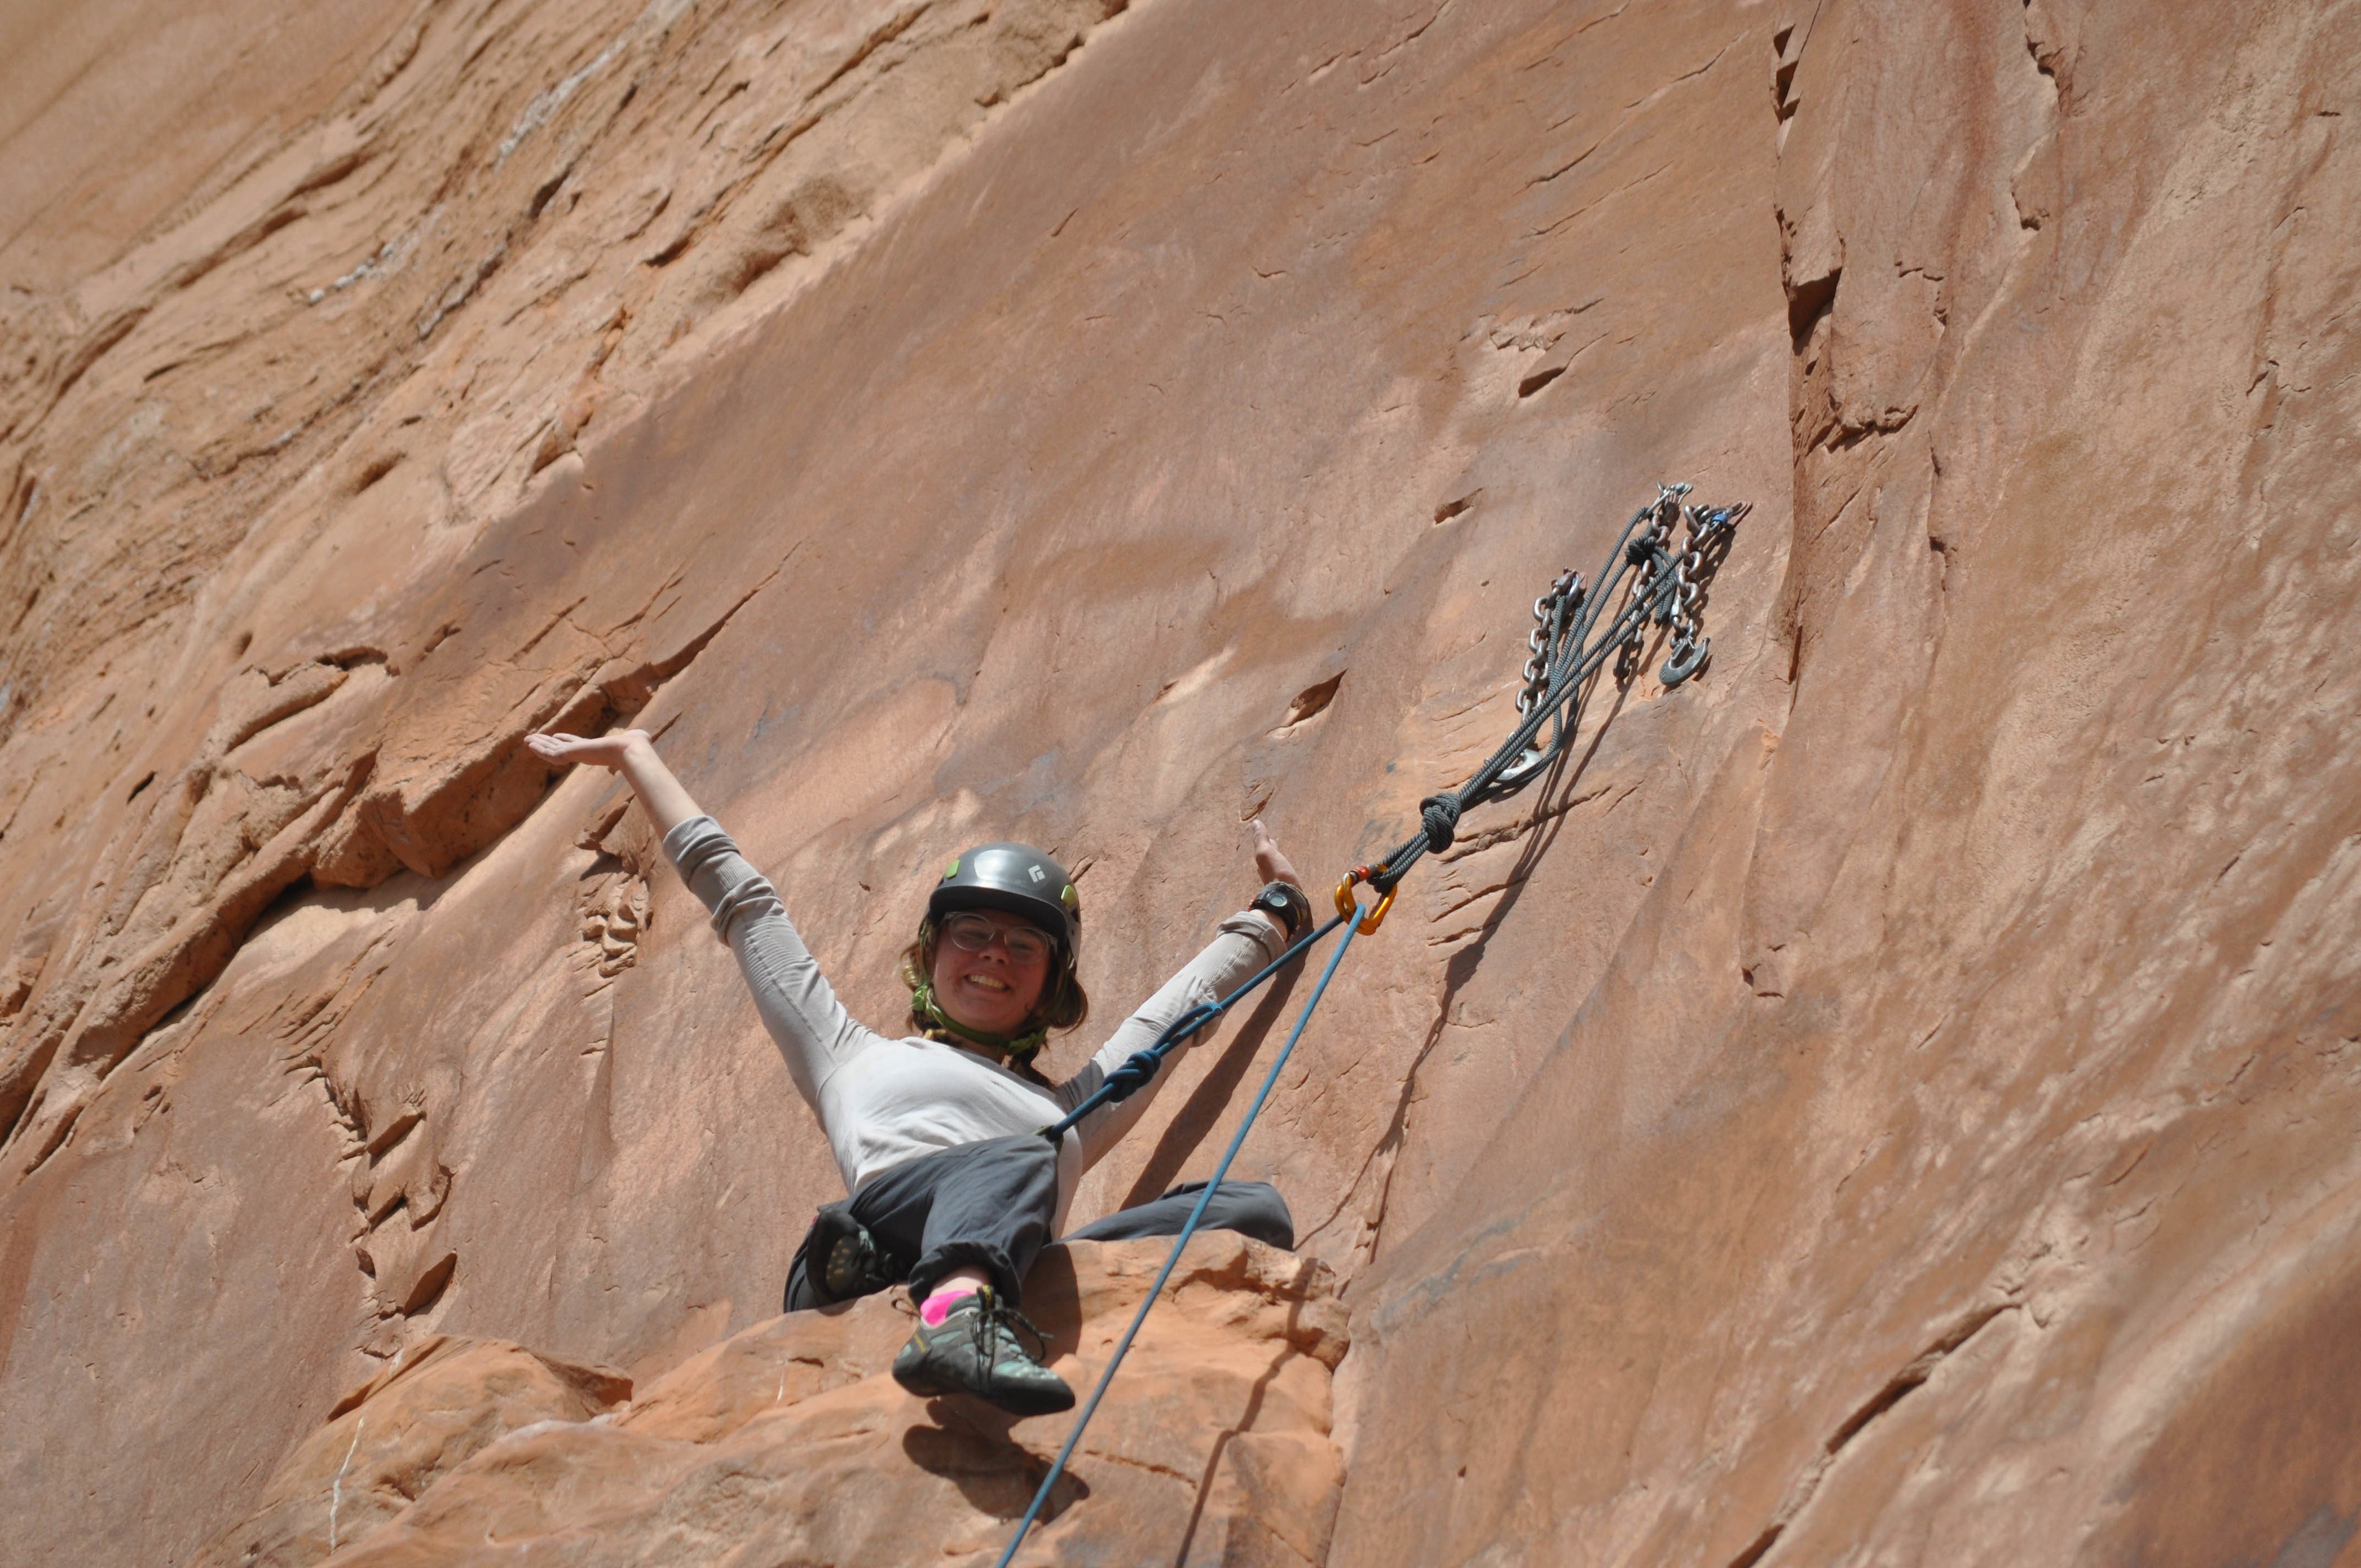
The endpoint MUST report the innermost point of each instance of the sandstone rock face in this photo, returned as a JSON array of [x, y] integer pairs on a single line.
[[438, 1404], [789, 1442], [1888, 1099]]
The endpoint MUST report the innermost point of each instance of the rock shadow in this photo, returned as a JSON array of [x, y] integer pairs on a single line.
[[1206, 1102], [1245, 1423], [973, 1445], [1551, 794], [970, 1447]]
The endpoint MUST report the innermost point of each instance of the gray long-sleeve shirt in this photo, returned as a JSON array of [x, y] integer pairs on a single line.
[[883, 1101]]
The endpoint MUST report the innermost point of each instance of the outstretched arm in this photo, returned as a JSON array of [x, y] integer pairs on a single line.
[[812, 1028], [1247, 941], [632, 754], [1270, 864]]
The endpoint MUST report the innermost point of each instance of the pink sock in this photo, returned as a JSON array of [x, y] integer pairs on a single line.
[[938, 1306]]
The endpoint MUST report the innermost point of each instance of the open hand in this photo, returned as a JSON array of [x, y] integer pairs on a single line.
[[1269, 863], [602, 751], [632, 753]]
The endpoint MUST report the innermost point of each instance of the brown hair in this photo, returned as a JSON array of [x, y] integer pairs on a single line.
[[1063, 1005]]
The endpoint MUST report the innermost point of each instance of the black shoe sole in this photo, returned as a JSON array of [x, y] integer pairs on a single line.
[[1016, 1401]]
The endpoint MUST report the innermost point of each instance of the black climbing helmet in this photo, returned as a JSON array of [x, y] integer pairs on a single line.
[[1018, 879]]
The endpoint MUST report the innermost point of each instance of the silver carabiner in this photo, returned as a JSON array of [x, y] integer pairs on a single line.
[[1528, 762], [1685, 662]]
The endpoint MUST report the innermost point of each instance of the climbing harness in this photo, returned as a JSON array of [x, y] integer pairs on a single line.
[[1568, 648]]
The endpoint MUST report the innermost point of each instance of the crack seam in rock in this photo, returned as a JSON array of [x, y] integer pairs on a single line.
[[188, 934], [1898, 1387]]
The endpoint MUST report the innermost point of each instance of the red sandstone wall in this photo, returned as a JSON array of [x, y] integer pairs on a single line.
[[1891, 1103]]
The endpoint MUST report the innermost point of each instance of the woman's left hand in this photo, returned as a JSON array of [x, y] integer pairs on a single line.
[[632, 753], [1269, 863], [597, 751]]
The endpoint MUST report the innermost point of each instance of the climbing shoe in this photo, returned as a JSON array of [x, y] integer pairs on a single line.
[[975, 1350], [843, 1260]]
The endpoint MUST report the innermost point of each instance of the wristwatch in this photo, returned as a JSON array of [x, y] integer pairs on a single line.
[[1285, 902]]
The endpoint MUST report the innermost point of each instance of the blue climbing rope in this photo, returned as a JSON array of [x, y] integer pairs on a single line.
[[1141, 1066], [1569, 648], [1123, 1346]]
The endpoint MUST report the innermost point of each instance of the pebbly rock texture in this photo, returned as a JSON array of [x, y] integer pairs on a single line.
[[1888, 1099], [789, 1442]]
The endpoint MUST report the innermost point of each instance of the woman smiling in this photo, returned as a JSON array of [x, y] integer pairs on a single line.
[[937, 1134]]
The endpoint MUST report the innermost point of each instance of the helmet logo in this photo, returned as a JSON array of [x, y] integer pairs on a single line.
[[1039, 874]]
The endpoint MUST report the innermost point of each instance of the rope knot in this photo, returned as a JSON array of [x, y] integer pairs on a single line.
[[1441, 815], [1134, 1074]]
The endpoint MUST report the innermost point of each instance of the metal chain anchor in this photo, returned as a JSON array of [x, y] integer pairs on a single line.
[[1689, 652], [1550, 612], [1554, 613], [1653, 553]]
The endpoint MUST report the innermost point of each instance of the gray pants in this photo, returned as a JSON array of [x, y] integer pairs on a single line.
[[989, 1205]]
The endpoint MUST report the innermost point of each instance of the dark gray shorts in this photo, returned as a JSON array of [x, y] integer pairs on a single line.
[[989, 1205]]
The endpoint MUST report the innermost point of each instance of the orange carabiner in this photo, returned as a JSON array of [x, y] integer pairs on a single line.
[[1347, 905]]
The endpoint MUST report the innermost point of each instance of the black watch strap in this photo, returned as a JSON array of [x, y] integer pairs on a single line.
[[1287, 902]]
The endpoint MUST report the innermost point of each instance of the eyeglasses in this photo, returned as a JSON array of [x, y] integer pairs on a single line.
[[974, 933]]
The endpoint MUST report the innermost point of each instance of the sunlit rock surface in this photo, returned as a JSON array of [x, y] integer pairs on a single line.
[[789, 1442], [1890, 1098]]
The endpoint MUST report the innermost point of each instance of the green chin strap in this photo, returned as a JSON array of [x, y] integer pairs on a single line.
[[1018, 1049]]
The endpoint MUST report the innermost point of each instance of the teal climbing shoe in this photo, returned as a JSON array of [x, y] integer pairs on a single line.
[[976, 1351]]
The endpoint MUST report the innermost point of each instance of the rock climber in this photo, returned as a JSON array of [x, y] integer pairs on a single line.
[[952, 1189]]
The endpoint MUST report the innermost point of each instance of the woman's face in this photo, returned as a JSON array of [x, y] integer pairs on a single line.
[[990, 990]]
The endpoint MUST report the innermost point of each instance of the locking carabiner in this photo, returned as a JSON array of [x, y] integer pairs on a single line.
[[1347, 905]]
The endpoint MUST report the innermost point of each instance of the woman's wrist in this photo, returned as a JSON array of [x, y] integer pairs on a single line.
[[1287, 903], [668, 805]]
